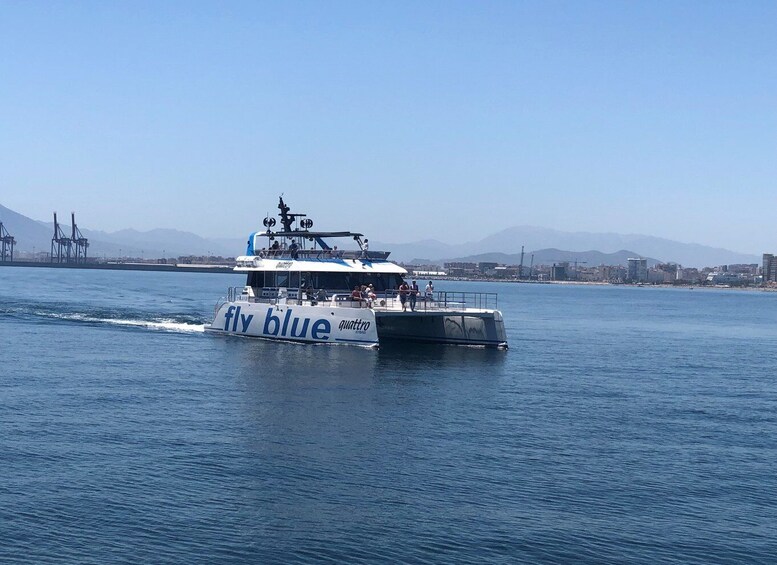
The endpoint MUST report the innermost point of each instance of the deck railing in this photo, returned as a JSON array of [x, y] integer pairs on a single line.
[[302, 254], [444, 300], [389, 299], [478, 300]]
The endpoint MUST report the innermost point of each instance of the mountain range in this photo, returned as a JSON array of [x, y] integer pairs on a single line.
[[547, 245], [570, 246], [32, 235]]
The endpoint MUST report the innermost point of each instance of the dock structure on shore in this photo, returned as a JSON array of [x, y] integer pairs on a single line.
[[7, 243], [66, 249], [61, 245], [117, 266], [79, 242]]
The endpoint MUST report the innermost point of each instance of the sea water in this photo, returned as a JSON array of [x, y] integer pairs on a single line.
[[630, 425]]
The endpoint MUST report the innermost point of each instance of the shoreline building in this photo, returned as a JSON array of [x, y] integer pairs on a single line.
[[769, 267], [637, 270]]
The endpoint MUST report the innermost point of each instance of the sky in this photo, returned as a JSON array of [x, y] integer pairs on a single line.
[[402, 120]]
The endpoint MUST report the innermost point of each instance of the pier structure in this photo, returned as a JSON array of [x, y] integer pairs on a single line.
[[61, 245], [7, 242], [78, 242]]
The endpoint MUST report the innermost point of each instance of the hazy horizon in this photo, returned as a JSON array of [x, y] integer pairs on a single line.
[[474, 238], [404, 121]]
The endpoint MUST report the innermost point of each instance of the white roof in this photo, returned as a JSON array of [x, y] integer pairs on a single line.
[[248, 263]]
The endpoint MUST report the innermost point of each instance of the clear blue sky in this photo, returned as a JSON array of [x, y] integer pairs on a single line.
[[402, 120]]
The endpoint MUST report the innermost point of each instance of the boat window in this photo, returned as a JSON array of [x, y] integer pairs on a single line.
[[381, 281], [281, 279], [346, 281], [332, 281], [307, 280], [328, 281], [255, 279]]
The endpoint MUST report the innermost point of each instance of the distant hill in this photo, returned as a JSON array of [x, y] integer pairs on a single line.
[[34, 235], [548, 245], [536, 239], [163, 242], [27, 232], [664, 250]]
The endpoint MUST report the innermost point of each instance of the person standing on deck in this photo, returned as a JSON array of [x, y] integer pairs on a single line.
[[366, 296], [429, 292], [404, 290], [413, 295]]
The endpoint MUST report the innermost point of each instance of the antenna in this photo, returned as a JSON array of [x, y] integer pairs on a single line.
[[288, 219]]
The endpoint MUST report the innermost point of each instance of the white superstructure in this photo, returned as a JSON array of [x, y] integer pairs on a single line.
[[299, 288]]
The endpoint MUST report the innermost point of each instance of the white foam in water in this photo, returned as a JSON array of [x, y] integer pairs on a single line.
[[164, 325], [167, 325]]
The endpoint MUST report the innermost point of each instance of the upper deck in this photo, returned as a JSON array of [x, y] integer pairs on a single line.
[[316, 263], [296, 248]]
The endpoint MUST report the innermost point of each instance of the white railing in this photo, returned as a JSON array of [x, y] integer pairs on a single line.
[[441, 300], [389, 299]]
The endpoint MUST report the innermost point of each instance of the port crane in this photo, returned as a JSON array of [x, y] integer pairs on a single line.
[[7, 242], [78, 241], [61, 245]]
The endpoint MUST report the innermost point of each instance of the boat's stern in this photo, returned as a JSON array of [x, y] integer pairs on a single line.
[[483, 328]]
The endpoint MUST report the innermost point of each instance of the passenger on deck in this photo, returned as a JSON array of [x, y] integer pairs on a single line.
[[366, 248], [294, 250], [429, 292], [371, 296], [404, 290], [366, 298], [356, 294], [413, 295]]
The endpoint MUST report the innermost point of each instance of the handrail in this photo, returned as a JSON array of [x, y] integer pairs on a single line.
[[444, 300], [388, 299], [478, 300], [321, 254]]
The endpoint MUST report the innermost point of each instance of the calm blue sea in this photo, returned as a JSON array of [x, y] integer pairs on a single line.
[[624, 425]]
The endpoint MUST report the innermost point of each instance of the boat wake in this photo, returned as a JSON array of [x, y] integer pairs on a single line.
[[180, 323]]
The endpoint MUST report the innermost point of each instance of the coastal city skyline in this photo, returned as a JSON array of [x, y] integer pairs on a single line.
[[417, 121]]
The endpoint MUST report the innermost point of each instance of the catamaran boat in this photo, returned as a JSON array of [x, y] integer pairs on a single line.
[[301, 287]]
